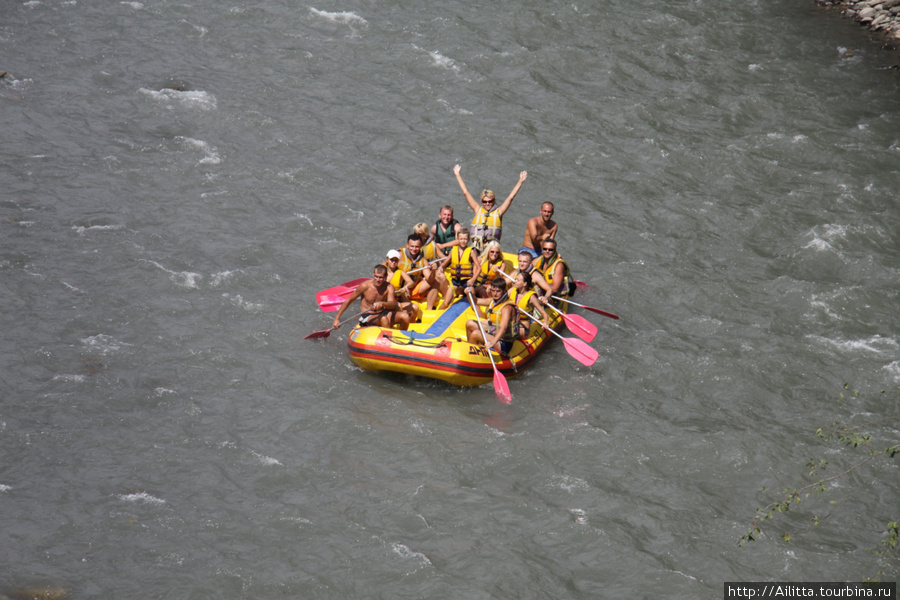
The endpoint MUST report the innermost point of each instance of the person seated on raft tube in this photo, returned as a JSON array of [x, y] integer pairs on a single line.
[[491, 264], [422, 284], [462, 262], [487, 223], [421, 230], [443, 232], [391, 262], [557, 279], [500, 322], [526, 265], [538, 229], [527, 303], [376, 296], [430, 252]]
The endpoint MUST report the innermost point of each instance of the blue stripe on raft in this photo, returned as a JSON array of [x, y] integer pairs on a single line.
[[439, 327]]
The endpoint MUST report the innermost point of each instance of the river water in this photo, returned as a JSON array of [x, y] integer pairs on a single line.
[[179, 179]]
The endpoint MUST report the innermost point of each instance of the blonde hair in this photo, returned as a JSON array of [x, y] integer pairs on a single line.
[[490, 246], [422, 230], [488, 194]]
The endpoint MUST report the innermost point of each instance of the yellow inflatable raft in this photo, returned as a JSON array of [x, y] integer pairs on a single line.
[[437, 348]]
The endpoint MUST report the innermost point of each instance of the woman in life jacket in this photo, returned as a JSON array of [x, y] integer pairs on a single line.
[[492, 262], [487, 223], [527, 303]]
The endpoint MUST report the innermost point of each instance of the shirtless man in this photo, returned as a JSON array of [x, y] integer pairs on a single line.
[[377, 298], [539, 229]]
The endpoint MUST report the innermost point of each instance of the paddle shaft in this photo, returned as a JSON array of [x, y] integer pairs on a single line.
[[590, 308], [500, 386], [326, 332]]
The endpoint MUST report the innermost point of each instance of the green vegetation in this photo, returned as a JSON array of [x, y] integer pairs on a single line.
[[873, 444]]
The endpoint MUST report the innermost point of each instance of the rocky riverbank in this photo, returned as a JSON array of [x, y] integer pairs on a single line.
[[879, 16]]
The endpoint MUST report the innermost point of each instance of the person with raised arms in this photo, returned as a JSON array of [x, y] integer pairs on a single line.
[[461, 264], [538, 229], [502, 328], [487, 224], [377, 297]]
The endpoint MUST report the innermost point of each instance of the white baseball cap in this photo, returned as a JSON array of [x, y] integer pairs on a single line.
[[393, 254]]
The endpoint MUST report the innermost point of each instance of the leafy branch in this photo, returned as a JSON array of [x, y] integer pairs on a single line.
[[856, 438]]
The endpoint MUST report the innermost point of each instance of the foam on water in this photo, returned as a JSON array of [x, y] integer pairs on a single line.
[[171, 99], [876, 344], [345, 18], [187, 279], [102, 343], [142, 497], [82, 229], [266, 460], [406, 552], [211, 157]]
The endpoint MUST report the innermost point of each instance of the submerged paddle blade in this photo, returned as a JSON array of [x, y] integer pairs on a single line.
[[318, 334], [580, 351], [501, 388]]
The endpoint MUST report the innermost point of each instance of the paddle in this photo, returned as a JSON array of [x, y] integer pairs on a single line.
[[326, 332], [355, 282], [501, 388], [590, 308], [576, 348], [339, 290], [426, 266], [578, 325], [330, 303]]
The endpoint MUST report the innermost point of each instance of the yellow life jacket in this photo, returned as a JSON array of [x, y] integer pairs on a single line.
[[494, 313], [461, 263], [487, 276], [547, 268], [523, 302], [487, 224], [407, 264]]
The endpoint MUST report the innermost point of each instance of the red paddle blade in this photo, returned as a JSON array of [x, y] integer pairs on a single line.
[[580, 351], [501, 388], [355, 282], [580, 327], [330, 303], [318, 334], [338, 290]]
